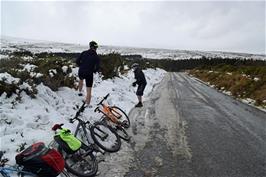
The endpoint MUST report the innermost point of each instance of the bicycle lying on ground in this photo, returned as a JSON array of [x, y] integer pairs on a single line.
[[115, 117], [83, 162]]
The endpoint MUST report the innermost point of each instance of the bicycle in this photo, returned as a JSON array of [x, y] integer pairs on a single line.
[[101, 133], [83, 162], [115, 117]]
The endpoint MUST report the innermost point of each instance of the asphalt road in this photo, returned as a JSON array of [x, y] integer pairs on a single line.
[[191, 130]]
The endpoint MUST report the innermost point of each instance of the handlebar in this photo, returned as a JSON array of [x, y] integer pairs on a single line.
[[104, 98], [81, 109]]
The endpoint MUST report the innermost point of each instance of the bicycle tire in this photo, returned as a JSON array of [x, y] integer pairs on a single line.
[[122, 133], [115, 109], [84, 164], [100, 128]]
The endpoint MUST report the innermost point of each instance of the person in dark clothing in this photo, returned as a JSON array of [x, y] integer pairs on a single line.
[[140, 81], [88, 63]]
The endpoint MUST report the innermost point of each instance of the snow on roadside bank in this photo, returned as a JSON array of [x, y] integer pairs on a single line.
[[31, 120], [248, 101]]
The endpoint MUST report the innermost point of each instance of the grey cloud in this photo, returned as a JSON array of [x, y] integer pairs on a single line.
[[230, 26]]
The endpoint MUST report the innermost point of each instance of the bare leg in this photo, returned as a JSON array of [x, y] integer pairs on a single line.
[[88, 97], [140, 99], [80, 85]]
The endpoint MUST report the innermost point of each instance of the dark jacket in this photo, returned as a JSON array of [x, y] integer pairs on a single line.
[[88, 62], [140, 77]]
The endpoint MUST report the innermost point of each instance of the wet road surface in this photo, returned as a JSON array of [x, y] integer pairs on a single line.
[[187, 129]]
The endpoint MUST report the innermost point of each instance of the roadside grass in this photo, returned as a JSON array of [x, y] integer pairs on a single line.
[[241, 81]]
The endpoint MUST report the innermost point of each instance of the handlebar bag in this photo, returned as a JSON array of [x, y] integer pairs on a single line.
[[67, 141]]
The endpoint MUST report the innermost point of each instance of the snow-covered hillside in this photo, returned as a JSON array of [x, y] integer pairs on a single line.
[[25, 119], [30, 120], [9, 44]]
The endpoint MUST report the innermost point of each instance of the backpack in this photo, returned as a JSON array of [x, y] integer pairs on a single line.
[[67, 141], [41, 160]]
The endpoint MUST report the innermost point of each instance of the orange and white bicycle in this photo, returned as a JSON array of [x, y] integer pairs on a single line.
[[115, 117]]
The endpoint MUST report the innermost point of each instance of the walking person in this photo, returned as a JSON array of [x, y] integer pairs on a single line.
[[88, 63], [140, 81]]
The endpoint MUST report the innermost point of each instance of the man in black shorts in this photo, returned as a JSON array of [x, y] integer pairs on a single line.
[[141, 81], [88, 63]]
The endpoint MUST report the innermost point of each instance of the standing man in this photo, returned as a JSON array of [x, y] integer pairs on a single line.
[[88, 63], [141, 81]]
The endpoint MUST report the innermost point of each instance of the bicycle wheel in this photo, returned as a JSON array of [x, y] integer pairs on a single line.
[[121, 116], [122, 133], [105, 137], [82, 163]]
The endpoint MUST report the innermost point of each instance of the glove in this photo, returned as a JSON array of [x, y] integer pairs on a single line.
[[134, 84]]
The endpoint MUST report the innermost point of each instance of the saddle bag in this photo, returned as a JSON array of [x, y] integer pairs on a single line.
[[41, 160]]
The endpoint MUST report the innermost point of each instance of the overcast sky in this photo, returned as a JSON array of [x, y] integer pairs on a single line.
[[226, 25]]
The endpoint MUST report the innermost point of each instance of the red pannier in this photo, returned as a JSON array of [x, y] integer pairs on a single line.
[[41, 160]]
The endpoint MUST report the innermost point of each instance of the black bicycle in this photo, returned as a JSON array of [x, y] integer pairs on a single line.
[[103, 135], [83, 162]]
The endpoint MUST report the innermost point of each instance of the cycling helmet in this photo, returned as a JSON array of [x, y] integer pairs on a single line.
[[93, 44], [134, 66]]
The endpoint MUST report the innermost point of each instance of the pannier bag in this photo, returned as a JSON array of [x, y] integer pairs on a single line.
[[41, 160], [67, 141]]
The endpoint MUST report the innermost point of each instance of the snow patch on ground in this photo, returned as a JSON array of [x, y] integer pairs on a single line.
[[7, 78], [3, 56], [65, 68], [29, 67], [248, 101], [52, 72], [256, 79]]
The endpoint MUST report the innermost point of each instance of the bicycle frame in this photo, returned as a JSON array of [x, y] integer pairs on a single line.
[[83, 125], [106, 110]]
